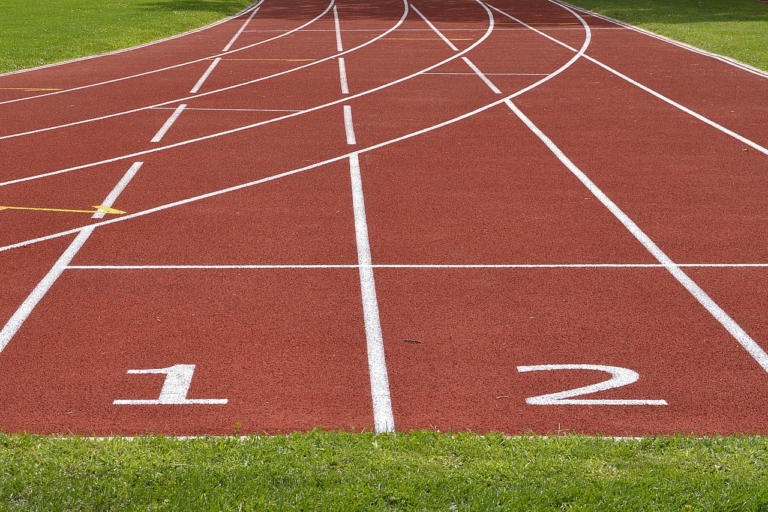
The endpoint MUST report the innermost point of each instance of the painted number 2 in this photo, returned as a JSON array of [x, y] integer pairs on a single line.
[[178, 378], [619, 377]]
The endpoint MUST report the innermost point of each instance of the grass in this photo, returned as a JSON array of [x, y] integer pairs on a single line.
[[419, 471], [735, 28], [35, 32]]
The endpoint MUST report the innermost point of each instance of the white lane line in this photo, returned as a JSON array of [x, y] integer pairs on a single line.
[[621, 25], [383, 418], [320, 107], [309, 167], [205, 76], [234, 38], [349, 128], [17, 320], [700, 295], [176, 113], [481, 75], [660, 96], [216, 91], [343, 76], [175, 66], [339, 46], [421, 266], [112, 197], [434, 28]]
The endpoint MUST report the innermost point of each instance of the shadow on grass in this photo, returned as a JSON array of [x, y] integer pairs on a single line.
[[222, 7]]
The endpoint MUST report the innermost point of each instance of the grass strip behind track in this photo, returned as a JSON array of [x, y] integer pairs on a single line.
[[418, 471], [734, 28], [35, 32]]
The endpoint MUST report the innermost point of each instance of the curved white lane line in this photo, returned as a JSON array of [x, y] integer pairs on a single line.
[[137, 47], [280, 118], [343, 157], [706, 120], [175, 66], [215, 91]]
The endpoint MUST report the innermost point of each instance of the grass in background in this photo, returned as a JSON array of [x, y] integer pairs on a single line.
[[37, 32], [735, 28], [421, 470]]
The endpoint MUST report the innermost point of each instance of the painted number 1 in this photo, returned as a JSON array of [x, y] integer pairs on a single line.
[[178, 378], [619, 377]]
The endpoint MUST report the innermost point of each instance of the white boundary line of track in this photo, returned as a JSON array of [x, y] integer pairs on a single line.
[[137, 47], [315, 165], [722, 58], [175, 66], [706, 120], [215, 91]]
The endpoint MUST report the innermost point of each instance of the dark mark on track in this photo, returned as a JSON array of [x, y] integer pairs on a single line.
[[412, 341]]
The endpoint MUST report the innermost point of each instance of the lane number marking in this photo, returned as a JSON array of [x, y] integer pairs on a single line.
[[619, 377], [175, 388]]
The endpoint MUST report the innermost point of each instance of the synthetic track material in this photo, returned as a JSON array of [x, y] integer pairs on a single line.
[[407, 239]]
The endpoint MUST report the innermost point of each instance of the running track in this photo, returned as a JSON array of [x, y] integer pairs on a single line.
[[386, 216]]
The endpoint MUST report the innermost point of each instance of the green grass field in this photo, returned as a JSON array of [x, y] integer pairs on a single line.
[[35, 32], [735, 28], [336, 470], [418, 471]]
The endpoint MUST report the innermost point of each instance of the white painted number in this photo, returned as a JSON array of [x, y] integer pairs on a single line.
[[619, 377], [178, 378]]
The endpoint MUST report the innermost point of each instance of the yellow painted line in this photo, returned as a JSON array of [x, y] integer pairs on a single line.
[[281, 60], [99, 209], [26, 89]]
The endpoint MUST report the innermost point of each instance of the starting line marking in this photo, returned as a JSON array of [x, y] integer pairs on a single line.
[[103, 210]]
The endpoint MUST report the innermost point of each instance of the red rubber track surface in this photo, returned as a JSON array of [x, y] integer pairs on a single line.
[[244, 243]]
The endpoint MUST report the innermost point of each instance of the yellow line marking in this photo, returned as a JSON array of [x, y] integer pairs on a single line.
[[281, 60], [26, 89], [99, 209]]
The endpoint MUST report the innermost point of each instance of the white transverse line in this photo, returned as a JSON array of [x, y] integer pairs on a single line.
[[423, 266], [481, 75], [349, 128], [447, 41], [716, 311], [203, 78], [383, 418], [339, 46], [343, 76], [176, 113], [234, 38], [663, 98], [17, 320]]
